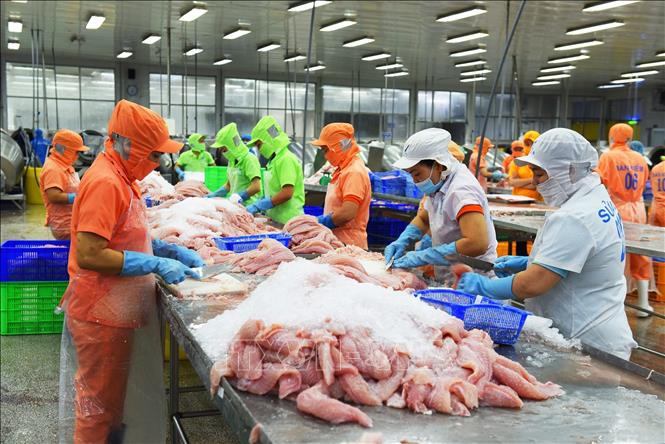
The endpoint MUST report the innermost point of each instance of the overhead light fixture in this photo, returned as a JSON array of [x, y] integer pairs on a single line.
[[472, 79], [193, 51], [294, 57], [396, 74], [630, 80], [470, 51], [609, 85], [602, 6], [223, 61], [15, 25], [358, 42], [639, 73], [651, 64], [13, 44], [338, 24], [95, 21], [569, 59], [267, 47], [558, 68], [576, 45], [552, 82], [470, 63], [553, 76], [595, 27], [316, 67], [376, 56], [466, 37], [660, 54], [124, 54], [151, 38], [473, 73], [19, 1], [461, 14], [236, 33], [390, 66], [306, 6], [191, 14]]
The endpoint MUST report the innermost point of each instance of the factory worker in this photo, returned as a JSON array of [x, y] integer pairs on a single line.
[[529, 138], [349, 193], [636, 146], [196, 159], [111, 342], [243, 172], [657, 210], [516, 150], [455, 150], [484, 172], [624, 172], [58, 182], [521, 177], [574, 274], [284, 178], [456, 211]]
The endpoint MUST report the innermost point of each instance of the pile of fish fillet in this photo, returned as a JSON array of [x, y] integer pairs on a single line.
[[332, 344]]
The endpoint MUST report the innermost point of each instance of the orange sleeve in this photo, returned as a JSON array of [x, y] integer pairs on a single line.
[[52, 178], [604, 167], [469, 209], [100, 206], [354, 186]]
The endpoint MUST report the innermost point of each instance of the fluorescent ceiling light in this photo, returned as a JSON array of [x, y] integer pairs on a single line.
[[268, 47], [576, 45], [316, 67], [661, 54], [95, 21], [223, 61], [609, 85], [466, 52], [569, 59], [306, 6], [461, 14], [552, 82], [14, 25], [193, 51], [338, 24], [557, 68], [396, 74], [553, 76], [19, 1], [294, 57], [236, 33], [14, 45], [358, 42], [602, 6], [124, 55], [466, 37], [473, 79], [390, 66], [152, 38], [470, 63], [193, 13], [630, 80], [595, 27], [651, 64], [639, 73], [377, 56], [473, 73]]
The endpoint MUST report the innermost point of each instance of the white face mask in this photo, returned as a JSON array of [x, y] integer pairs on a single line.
[[552, 192]]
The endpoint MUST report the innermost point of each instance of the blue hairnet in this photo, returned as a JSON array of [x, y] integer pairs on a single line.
[[637, 146], [246, 137]]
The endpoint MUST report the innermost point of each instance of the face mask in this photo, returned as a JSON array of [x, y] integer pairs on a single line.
[[552, 193], [428, 187], [334, 158], [227, 154], [143, 169], [266, 151], [70, 156], [198, 147]]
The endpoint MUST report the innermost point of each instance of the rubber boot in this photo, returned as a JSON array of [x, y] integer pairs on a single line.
[[643, 298]]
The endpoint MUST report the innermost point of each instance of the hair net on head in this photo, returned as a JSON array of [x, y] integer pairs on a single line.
[[636, 146], [621, 132]]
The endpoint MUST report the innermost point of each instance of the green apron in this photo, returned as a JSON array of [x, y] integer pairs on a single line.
[[240, 174], [285, 169]]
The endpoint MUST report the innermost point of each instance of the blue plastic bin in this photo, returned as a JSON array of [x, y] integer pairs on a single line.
[[34, 261], [150, 202], [389, 182], [376, 203], [313, 211], [383, 230], [241, 244]]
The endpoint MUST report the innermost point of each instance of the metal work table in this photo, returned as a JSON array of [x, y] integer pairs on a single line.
[[606, 399]]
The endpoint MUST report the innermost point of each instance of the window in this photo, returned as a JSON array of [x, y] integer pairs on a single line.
[[625, 109], [539, 113], [192, 102], [501, 121], [76, 98]]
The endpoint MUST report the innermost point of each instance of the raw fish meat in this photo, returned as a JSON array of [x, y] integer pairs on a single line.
[[262, 261], [310, 237], [155, 186], [191, 188], [221, 287]]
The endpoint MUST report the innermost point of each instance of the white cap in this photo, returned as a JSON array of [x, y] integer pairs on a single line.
[[558, 149], [428, 144]]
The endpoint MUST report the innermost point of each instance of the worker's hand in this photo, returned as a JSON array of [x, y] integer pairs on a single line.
[[236, 198], [71, 197], [327, 220], [260, 205], [476, 284], [425, 243], [498, 176], [221, 192], [180, 173], [396, 249], [429, 256], [173, 271], [509, 265], [140, 264], [188, 257]]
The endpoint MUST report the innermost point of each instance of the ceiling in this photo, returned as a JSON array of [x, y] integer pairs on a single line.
[[406, 29]]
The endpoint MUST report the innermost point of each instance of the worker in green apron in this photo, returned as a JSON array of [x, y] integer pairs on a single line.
[[284, 178], [244, 170], [196, 159]]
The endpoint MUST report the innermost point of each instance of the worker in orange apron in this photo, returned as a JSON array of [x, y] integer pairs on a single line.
[[657, 210], [624, 173], [58, 182], [349, 193], [111, 367], [484, 172]]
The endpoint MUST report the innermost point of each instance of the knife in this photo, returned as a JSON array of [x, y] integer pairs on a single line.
[[389, 265], [473, 262], [211, 270]]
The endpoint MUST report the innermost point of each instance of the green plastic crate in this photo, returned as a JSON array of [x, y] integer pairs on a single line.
[[215, 177], [27, 308]]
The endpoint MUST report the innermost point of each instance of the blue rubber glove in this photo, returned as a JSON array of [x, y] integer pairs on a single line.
[[173, 251], [140, 264], [429, 256], [509, 265], [71, 197], [497, 176], [475, 284], [327, 220], [425, 243], [244, 195], [221, 192], [180, 173], [396, 249], [260, 205]]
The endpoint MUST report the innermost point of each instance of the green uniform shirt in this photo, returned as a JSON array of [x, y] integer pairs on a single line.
[[241, 173], [189, 162], [286, 169]]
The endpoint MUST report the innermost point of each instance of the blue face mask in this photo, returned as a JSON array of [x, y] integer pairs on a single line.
[[429, 187]]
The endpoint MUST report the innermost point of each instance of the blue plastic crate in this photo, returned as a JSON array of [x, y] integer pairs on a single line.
[[312, 210], [34, 261], [389, 182], [383, 230], [241, 244], [150, 202], [375, 203]]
